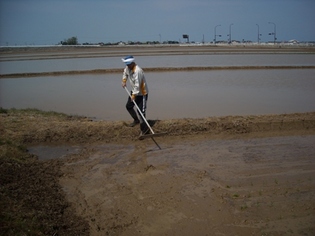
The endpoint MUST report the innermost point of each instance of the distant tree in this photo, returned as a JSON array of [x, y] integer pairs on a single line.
[[70, 41]]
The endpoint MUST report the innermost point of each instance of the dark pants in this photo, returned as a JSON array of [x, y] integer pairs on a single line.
[[141, 101]]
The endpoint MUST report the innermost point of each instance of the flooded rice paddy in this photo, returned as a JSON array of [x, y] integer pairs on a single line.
[[173, 94], [215, 60]]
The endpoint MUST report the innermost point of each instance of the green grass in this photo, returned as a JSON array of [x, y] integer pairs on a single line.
[[3, 111], [13, 151], [35, 112]]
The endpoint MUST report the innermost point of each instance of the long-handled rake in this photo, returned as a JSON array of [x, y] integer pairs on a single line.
[[152, 135]]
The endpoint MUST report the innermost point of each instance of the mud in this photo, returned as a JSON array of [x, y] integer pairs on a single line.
[[156, 69], [256, 186], [244, 175]]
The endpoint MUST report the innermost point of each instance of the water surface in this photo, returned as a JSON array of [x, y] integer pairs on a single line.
[[74, 64], [195, 94]]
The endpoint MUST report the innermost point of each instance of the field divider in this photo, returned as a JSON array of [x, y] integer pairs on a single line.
[[152, 69]]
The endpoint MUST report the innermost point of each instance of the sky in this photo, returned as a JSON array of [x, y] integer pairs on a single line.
[[47, 22]]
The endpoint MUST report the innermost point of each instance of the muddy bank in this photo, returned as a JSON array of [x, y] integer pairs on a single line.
[[31, 127], [73, 51], [157, 69], [31, 200], [236, 175]]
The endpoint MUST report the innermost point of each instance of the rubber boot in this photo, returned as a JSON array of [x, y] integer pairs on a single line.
[[134, 116]]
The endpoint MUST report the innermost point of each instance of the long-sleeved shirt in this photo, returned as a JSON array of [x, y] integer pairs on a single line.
[[137, 80]]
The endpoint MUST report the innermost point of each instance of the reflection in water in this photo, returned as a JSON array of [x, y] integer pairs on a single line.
[[193, 94]]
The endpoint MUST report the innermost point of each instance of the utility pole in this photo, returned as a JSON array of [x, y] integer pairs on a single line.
[[258, 35], [274, 32], [230, 34], [215, 34]]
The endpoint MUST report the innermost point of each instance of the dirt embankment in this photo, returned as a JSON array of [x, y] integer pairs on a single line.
[[107, 201], [157, 69], [33, 127]]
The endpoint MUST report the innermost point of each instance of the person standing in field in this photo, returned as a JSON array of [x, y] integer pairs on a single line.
[[139, 92]]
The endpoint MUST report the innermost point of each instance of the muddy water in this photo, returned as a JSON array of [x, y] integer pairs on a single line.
[[227, 187], [194, 94], [73, 64]]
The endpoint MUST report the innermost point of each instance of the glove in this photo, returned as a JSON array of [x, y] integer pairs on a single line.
[[123, 83]]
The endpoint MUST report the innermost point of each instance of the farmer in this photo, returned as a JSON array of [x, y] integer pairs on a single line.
[[139, 92]]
